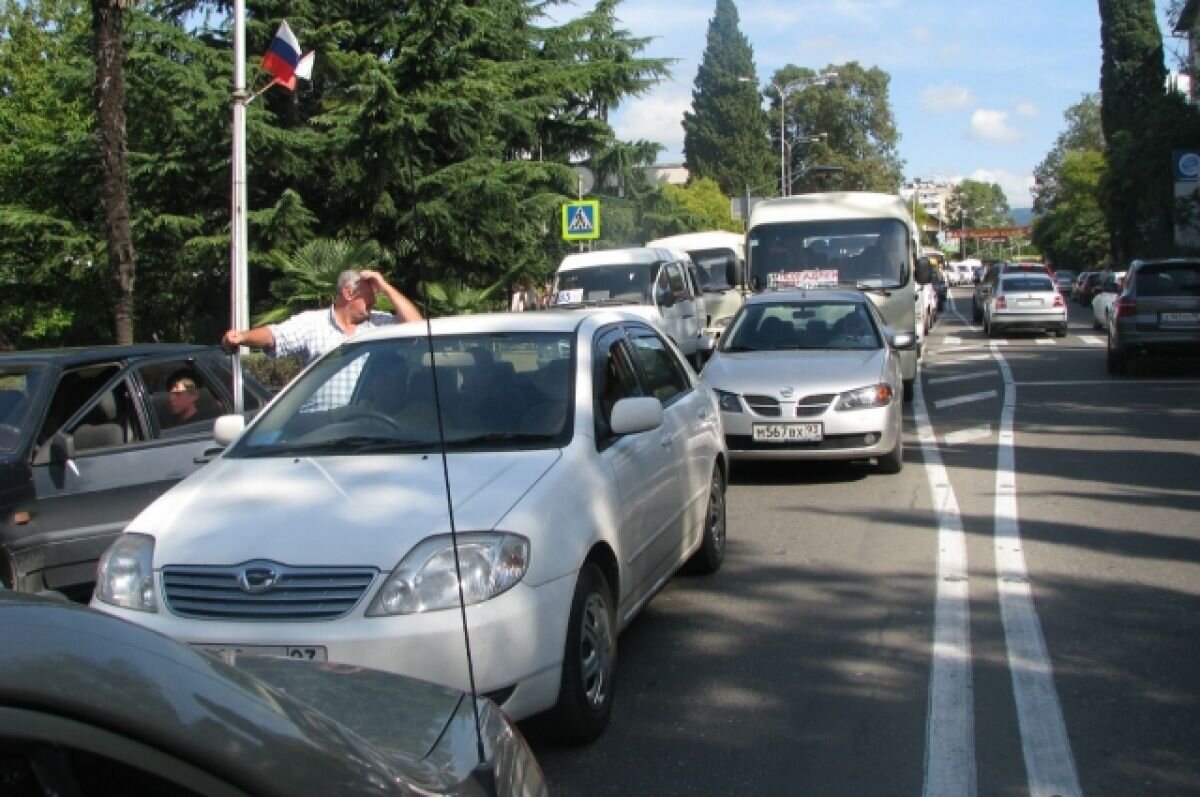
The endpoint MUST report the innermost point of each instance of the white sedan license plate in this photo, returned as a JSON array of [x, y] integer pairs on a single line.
[[1179, 319], [306, 652], [787, 432]]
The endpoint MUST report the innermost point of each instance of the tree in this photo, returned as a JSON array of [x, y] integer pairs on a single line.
[[109, 93], [1083, 133], [308, 276], [854, 116], [724, 133], [1072, 232], [976, 205], [698, 206], [1141, 125]]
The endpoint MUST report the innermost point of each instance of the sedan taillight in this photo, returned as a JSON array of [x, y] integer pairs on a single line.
[[1058, 300], [1123, 308], [1001, 303]]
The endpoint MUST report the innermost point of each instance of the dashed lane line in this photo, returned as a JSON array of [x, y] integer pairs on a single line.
[[942, 380], [967, 399], [969, 435]]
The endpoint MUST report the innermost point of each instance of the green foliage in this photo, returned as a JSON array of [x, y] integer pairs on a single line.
[[723, 134], [307, 278], [1083, 133], [451, 298], [1072, 233], [854, 113], [443, 133]]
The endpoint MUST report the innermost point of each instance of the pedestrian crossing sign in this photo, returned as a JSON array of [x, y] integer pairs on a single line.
[[581, 220]]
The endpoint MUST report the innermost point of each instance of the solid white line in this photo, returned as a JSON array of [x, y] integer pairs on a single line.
[[1120, 382], [950, 722], [952, 402], [968, 435], [1049, 762], [941, 380], [1093, 340]]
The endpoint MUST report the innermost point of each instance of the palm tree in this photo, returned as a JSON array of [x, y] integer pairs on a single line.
[[109, 95], [310, 274]]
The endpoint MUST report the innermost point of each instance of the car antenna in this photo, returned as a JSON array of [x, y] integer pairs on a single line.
[[483, 774]]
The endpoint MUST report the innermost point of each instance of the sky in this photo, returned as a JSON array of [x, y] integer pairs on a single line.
[[978, 87]]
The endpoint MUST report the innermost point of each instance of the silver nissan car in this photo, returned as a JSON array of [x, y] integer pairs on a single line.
[[811, 374]]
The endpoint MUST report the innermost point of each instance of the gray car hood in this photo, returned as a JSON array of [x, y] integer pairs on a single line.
[[805, 371]]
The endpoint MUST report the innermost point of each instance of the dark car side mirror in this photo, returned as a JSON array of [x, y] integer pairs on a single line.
[[62, 447], [924, 271]]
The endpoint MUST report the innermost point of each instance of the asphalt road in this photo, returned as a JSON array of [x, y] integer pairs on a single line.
[[1017, 612]]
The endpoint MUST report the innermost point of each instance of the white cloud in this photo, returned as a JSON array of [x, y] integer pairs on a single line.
[[920, 34], [992, 127], [940, 99], [1016, 187], [656, 117], [1027, 109]]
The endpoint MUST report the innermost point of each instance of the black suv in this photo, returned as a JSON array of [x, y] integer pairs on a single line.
[[1158, 311], [88, 438]]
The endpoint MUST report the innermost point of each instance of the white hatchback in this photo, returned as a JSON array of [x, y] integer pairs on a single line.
[[584, 463]]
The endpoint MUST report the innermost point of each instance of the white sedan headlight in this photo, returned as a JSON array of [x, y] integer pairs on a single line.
[[865, 398], [425, 580], [125, 575]]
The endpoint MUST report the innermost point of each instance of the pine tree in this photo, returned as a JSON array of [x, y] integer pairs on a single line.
[[724, 133]]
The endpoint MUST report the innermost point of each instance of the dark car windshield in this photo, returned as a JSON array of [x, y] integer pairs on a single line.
[[604, 284], [18, 386], [715, 266], [801, 325], [1169, 279], [495, 392]]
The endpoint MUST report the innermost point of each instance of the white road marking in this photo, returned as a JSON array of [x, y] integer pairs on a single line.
[[1119, 382], [1093, 340], [968, 435], [967, 399], [1046, 342], [1049, 762], [941, 380], [951, 340], [950, 724]]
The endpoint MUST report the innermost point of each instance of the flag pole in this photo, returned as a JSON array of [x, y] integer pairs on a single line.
[[239, 299]]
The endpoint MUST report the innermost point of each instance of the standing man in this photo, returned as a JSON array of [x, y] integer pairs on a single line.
[[310, 334]]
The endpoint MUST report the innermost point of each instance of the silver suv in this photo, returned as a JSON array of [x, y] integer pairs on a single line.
[[1157, 312]]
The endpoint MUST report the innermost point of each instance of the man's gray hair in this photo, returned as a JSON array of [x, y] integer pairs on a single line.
[[348, 279]]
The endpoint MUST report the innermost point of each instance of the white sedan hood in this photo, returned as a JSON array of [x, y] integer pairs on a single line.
[[806, 372], [349, 510]]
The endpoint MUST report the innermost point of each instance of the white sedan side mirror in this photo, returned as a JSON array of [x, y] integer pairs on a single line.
[[633, 415], [227, 428]]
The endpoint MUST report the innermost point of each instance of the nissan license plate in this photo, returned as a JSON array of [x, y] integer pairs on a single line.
[[1179, 319], [787, 432], [306, 652]]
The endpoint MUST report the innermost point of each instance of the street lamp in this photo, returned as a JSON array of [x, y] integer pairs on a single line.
[[822, 79]]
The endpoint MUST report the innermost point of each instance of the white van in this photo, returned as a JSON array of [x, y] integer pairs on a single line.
[[720, 259], [651, 282]]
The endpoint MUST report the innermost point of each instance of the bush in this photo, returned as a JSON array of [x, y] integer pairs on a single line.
[[272, 373]]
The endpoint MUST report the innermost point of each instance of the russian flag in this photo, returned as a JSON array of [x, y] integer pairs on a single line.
[[283, 57]]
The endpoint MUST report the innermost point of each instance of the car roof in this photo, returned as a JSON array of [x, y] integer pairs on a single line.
[[831, 205], [711, 239], [552, 320], [1158, 261], [77, 355], [615, 257]]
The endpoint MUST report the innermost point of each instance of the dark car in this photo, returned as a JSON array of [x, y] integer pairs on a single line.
[[1087, 286], [93, 705], [1158, 312], [939, 288], [88, 438]]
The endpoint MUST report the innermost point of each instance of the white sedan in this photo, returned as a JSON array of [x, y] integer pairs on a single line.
[[811, 375], [1106, 294], [578, 465]]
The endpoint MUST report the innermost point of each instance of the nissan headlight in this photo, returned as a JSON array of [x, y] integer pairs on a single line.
[[865, 398], [729, 402], [125, 575], [425, 580]]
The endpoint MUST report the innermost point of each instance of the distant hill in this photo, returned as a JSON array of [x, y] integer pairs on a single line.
[[1021, 216]]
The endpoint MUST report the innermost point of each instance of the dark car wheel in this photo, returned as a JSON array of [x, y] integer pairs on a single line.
[[710, 554], [976, 313], [909, 386], [1061, 332], [1117, 361], [585, 696]]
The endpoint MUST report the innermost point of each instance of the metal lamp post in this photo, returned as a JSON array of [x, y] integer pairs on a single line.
[[822, 79]]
